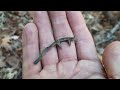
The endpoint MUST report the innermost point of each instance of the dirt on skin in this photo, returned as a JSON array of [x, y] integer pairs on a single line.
[[103, 25]]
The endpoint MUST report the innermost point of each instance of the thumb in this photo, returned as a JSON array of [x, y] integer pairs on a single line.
[[111, 60]]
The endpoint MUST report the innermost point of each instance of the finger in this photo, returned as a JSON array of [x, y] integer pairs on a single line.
[[85, 45], [46, 38], [62, 29], [30, 50], [111, 60]]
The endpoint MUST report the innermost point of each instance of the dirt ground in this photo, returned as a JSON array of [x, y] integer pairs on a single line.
[[103, 25]]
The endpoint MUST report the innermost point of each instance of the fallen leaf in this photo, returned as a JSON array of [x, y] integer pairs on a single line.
[[16, 44], [2, 62], [14, 37], [5, 43], [22, 13], [13, 61]]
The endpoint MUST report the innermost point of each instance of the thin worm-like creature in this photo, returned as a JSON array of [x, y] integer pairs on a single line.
[[58, 43]]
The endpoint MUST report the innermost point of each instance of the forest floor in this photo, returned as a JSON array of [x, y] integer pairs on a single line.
[[103, 25]]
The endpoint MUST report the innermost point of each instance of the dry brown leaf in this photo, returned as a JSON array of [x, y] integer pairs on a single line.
[[13, 61], [22, 13], [2, 63], [5, 43]]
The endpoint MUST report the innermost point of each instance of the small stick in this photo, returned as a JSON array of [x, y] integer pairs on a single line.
[[110, 33]]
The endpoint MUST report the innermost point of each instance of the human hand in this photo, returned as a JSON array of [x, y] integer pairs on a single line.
[[78, 61]]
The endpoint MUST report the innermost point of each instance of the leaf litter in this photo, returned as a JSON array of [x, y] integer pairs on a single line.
[[103, 25]]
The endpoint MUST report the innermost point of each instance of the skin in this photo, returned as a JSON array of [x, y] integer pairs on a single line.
[[77, 61], [58, 43]]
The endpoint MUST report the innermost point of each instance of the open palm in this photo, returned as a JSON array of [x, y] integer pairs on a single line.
[[77, 61]]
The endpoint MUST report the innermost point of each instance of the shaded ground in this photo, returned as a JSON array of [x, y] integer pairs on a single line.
[[104, 26]]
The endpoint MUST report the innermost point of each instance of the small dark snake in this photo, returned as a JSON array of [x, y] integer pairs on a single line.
[[58, 43]]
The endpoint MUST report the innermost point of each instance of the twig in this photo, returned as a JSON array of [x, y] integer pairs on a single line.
[[110, 33], [117, 26], [103, 41]]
